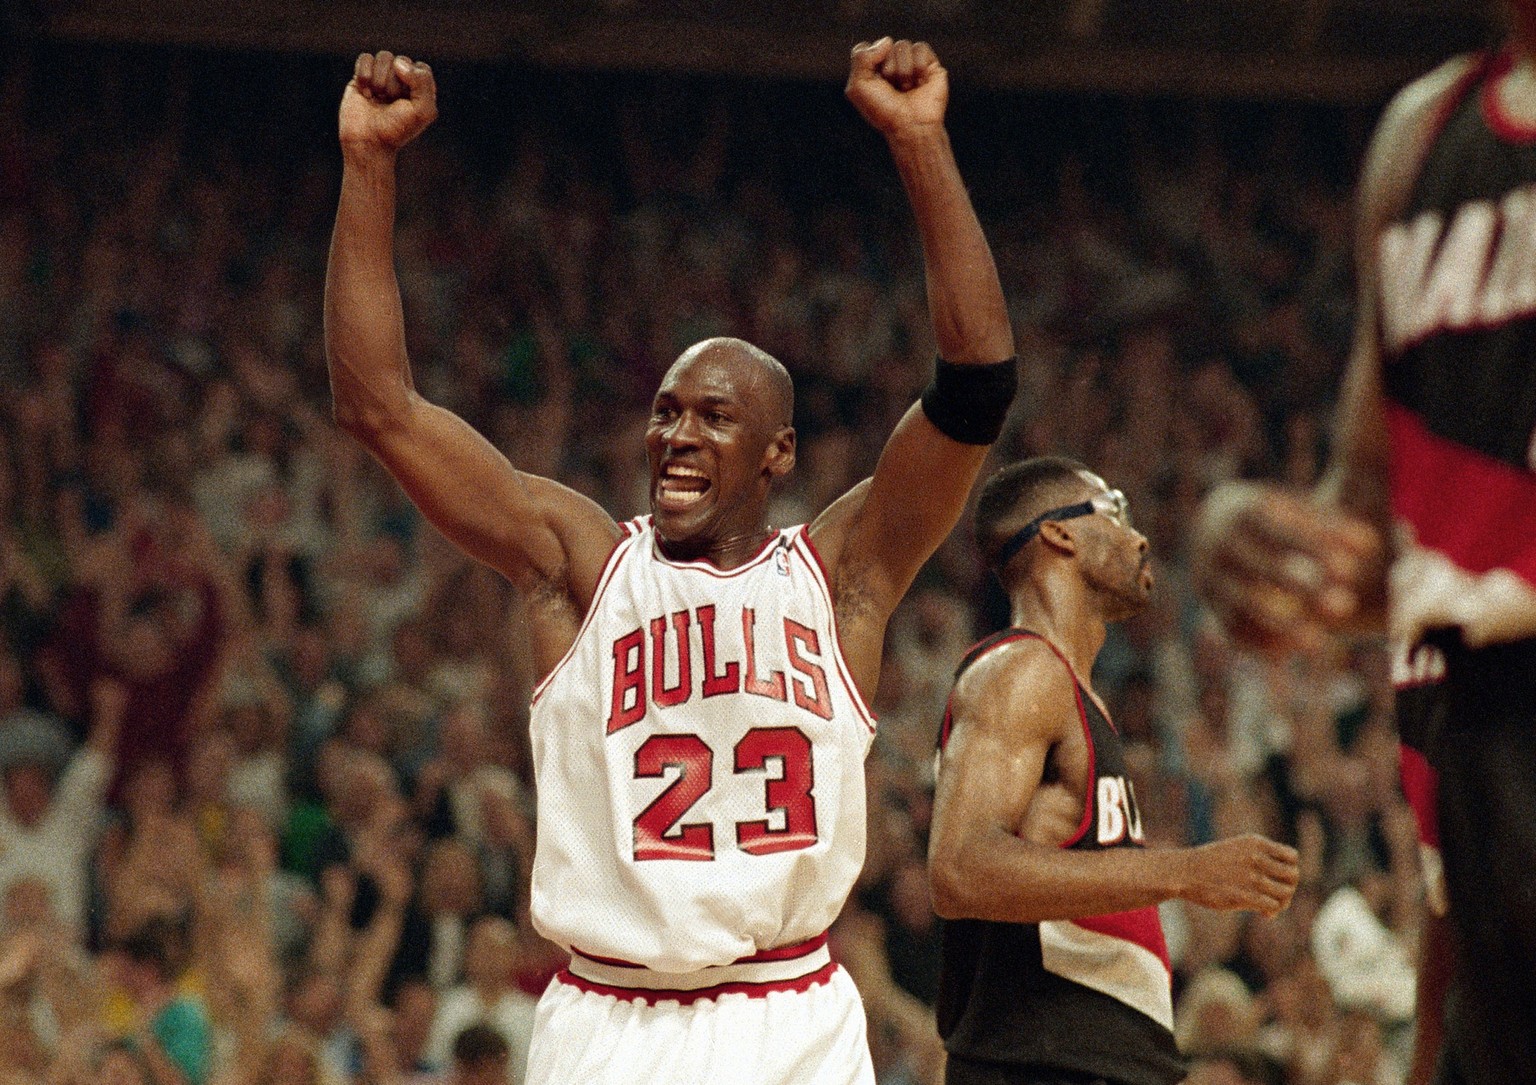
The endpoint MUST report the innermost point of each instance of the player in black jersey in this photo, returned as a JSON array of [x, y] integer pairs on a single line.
[[1054, 964], [1435, 468]]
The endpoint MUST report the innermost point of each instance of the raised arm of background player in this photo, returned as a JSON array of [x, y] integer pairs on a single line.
[[875, 538], [1284, 570], [1014, 715], [548, 540]]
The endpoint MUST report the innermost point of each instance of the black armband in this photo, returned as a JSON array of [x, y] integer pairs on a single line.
[[969, 402]]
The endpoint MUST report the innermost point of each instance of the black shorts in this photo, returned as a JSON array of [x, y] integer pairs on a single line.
[[964, 1071], [1485, 756]]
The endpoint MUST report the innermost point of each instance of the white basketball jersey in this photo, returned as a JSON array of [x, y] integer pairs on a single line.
[[699, 754]]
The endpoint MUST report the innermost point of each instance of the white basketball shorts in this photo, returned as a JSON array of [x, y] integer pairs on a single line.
[[795, 1021]]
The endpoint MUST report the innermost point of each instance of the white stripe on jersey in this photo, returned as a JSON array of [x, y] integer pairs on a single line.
[[1113, 966], [813, 560], [699, 756]]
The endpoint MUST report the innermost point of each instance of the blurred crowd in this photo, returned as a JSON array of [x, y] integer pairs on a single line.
[[268, 805]]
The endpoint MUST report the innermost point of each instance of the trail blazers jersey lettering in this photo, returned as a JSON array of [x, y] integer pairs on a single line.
[[1458, 298], [699, 756], [1458, 321], [1091, 995]]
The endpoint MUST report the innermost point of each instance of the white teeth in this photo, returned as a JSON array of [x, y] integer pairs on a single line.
[[675, 497], [681, 487]]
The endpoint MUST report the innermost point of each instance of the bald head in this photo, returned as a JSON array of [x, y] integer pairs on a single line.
[[763, 380], [720, 436]]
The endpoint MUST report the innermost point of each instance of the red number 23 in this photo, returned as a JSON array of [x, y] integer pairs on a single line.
[[658, 832]]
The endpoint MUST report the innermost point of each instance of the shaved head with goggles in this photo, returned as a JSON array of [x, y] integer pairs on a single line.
[[1110, 503], [1014, 507]]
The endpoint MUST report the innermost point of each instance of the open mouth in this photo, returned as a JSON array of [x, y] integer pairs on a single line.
[[680, 488]]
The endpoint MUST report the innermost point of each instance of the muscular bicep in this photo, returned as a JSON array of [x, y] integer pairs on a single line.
[[534, 531], [876, 537], [985, 785], [1006, 719], [916, 497]]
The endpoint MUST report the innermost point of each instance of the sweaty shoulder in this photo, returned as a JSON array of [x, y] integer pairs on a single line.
[[1021, 686], [1407, 127]]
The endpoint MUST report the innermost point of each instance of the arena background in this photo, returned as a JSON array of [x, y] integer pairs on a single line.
[[264, 733]]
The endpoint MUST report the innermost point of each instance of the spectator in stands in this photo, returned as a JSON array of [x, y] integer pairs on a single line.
[[172, 1034], [53, 808], [480, 1057], [174, 518], [487, 996]]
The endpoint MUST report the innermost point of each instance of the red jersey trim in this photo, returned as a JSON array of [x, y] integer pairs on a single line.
[[1082, 714], [1492, 522], [651, 996], [1140, 926], [786, 953], [1421, 789], [704, 565], [812, 558], [610, 567], [1500, 122]]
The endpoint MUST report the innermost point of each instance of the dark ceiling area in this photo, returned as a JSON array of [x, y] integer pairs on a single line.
[[1310, 50]]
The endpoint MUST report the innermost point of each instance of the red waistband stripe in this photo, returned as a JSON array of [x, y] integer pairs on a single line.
[[652, 996], [795, 967]]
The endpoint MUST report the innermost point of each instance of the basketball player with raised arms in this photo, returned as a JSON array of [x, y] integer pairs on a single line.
[[700, 729], [1425, 527], [1054, 968]]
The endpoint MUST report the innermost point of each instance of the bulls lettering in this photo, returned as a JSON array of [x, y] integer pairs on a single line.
[[771, 687], [661, 664], [679, 692], [628, 681]]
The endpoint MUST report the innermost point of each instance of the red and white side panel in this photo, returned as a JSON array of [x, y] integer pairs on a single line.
[[1121, 955]]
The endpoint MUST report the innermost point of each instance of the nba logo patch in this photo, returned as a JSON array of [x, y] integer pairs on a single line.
[[781, 560]]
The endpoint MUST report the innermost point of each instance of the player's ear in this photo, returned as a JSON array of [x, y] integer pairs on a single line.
[[1058, 536], [779, 459]]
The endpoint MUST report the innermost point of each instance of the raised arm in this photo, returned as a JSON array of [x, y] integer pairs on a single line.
[[546, 539], [375, 948], [1008, 712], [877, 539]]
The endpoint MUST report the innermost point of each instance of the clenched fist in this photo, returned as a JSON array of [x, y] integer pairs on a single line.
[[389, 102], [1282, 572], [897, 85]]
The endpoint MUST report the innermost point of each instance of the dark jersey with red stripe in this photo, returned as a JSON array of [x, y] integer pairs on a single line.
[[1089, 996], [1458, 325], [1422, 707]]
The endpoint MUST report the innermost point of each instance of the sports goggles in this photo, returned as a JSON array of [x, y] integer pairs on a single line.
[[1111, 503]]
